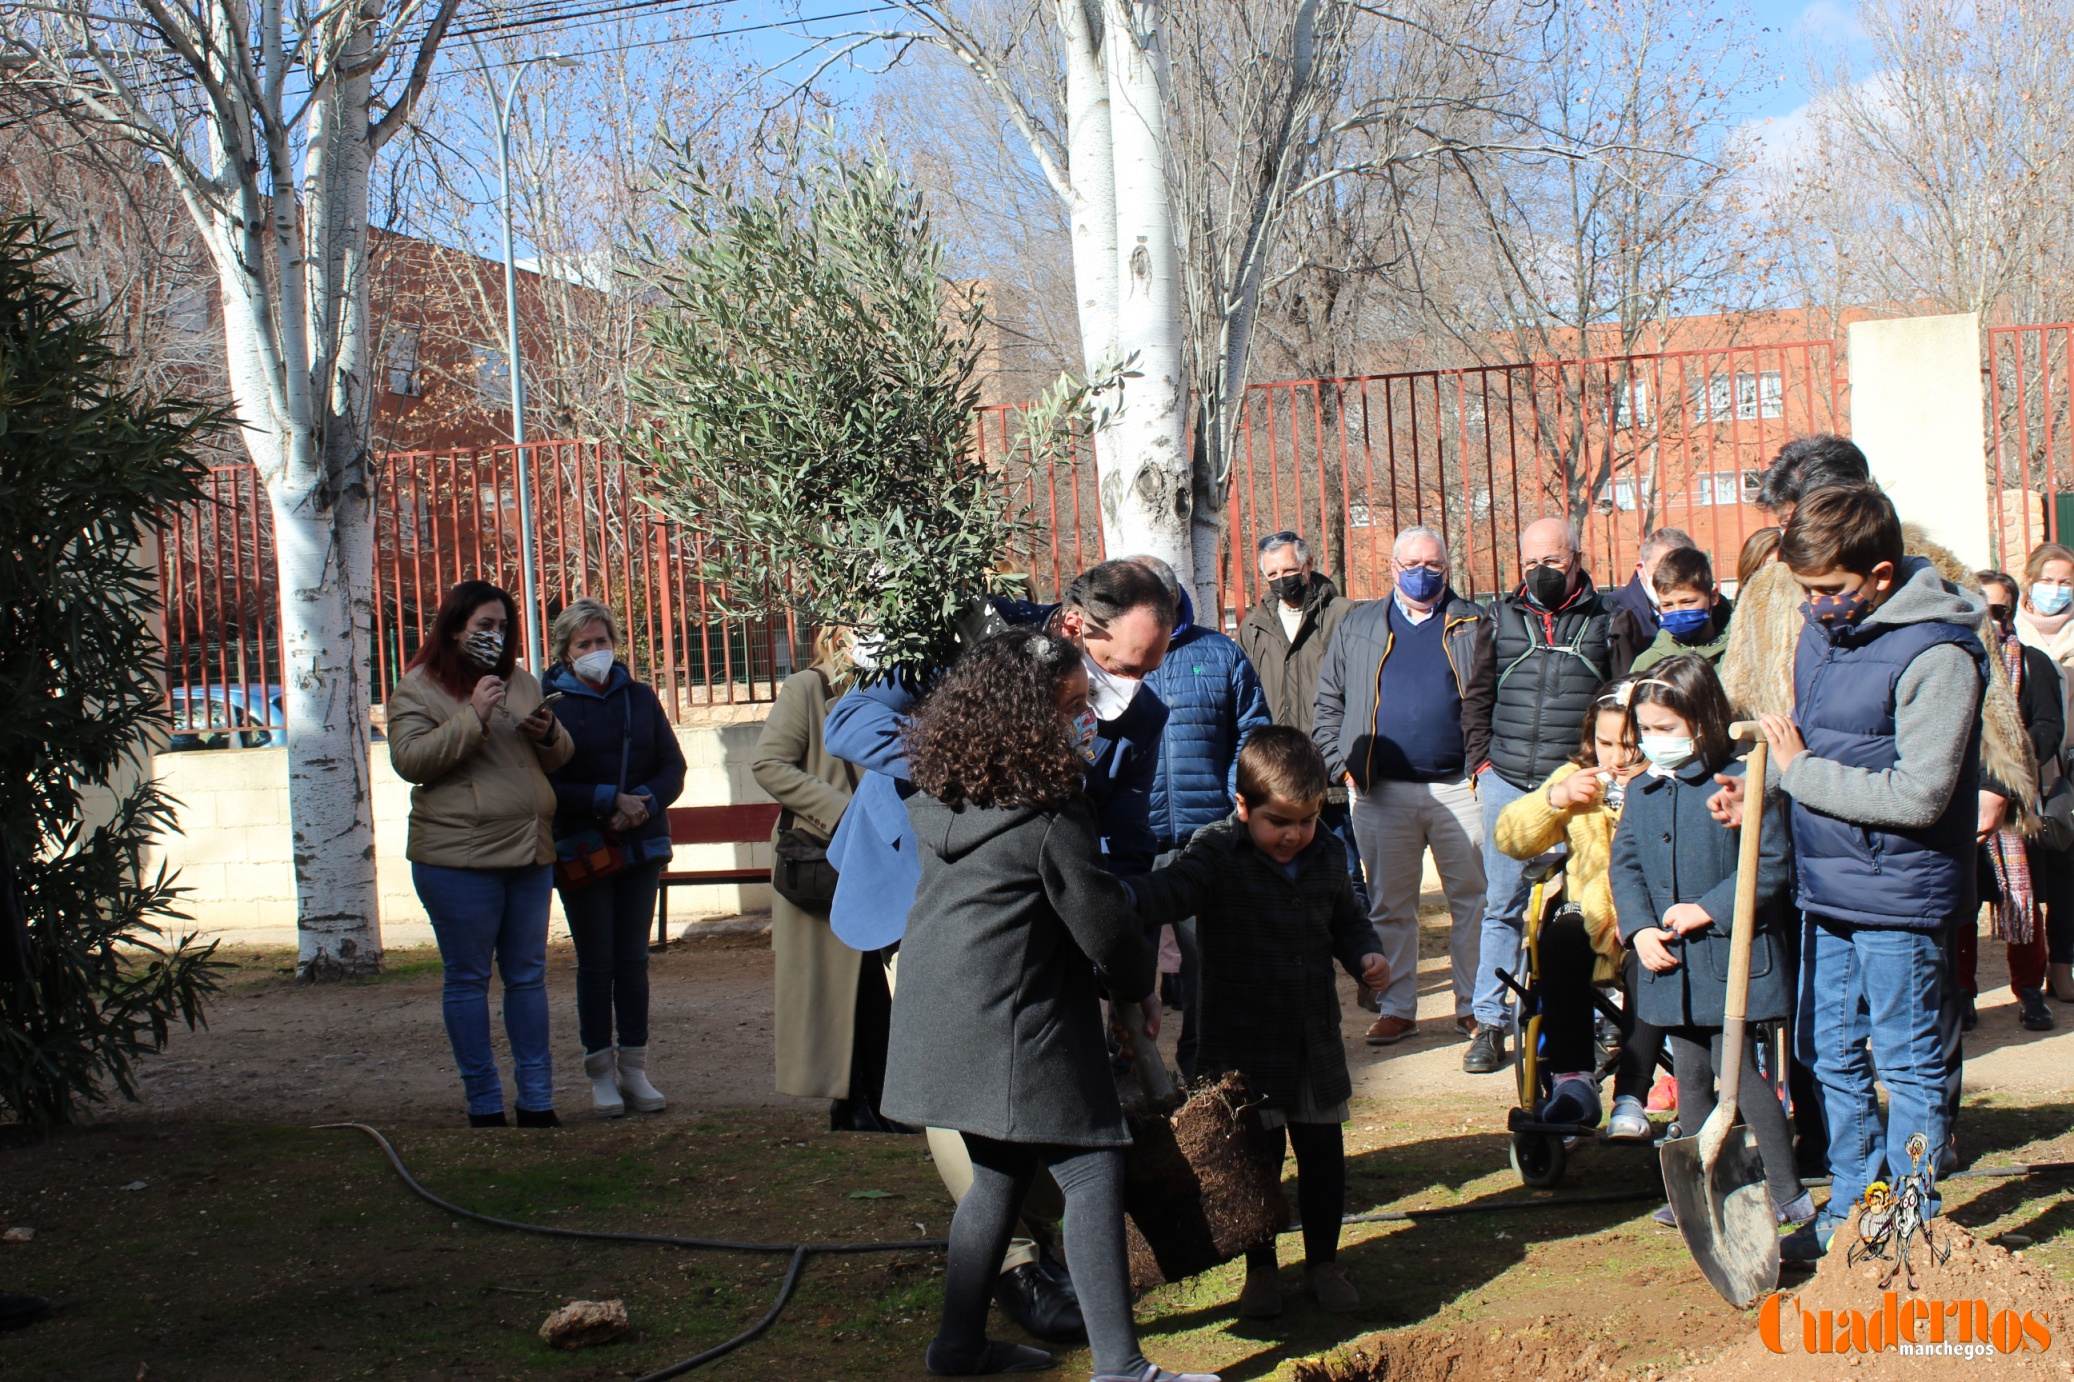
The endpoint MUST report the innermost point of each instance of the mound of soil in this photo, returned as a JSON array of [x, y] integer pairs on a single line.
[[1546, 1354], [1974, 1271], [1198, 1184]]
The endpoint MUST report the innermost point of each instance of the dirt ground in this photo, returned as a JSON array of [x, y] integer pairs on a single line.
[[208, 1232]]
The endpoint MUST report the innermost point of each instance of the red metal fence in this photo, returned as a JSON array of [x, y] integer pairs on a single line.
[[1622, 445], [2030, 379]]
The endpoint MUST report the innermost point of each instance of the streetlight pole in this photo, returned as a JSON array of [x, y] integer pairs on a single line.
[[529, 588]]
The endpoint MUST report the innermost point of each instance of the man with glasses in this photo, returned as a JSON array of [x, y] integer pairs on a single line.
[[1285, 636], [1555, 646], [1403, 717]]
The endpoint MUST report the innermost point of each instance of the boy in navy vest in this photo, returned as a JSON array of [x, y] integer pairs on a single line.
[[1882, 762]]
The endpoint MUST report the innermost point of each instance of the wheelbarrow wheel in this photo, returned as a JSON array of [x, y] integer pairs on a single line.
[[1539, 1159]]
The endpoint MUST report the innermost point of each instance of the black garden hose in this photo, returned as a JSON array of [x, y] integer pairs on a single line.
[[797, 1252]]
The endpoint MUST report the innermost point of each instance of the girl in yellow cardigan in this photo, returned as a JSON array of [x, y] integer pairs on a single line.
[[1579, 805]]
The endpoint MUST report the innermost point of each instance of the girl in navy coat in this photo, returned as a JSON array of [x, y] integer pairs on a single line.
[[1674, 887]]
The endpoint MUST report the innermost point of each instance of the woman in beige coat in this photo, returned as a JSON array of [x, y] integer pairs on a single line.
[[832, 1003], [469, 728]]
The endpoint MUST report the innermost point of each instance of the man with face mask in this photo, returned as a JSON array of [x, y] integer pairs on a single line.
[[1555, 646], [1120, 618], [1403, 717]]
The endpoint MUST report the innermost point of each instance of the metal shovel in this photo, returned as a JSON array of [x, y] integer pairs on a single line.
[[1715, 1180]]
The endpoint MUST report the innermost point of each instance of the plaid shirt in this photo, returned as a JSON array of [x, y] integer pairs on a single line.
[[1268, 1002]]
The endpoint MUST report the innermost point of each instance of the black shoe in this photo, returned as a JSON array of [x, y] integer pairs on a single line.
[[1969, 1015], [2033, 1013], [19, 1311], [1486, 1054], [1055, 1271], [488, 1120], [1036, 1302], [538, 1118]]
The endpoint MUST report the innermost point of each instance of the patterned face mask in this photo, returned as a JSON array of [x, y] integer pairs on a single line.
[[1085, 729], [483, 647], [1837, 611]]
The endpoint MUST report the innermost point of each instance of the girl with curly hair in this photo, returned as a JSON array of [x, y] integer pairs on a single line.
[[997, 1020]]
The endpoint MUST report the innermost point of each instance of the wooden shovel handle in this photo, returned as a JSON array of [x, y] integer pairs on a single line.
[[1736, 1001]]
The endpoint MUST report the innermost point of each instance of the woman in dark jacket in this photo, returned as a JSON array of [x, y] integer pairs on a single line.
[[997, 1024], [625, 772], [1674, 889]]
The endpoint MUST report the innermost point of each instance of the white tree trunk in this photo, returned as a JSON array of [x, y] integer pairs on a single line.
[[1091, 168], [1143, 454]]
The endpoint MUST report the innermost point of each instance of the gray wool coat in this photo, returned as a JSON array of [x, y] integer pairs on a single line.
[[1668, 850], [997, 1022]]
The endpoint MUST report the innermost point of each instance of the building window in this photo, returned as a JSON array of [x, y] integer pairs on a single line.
[[1631, 405], [1724, 487], [492, 375], [403, 364], [1746, 396], [187, 313]]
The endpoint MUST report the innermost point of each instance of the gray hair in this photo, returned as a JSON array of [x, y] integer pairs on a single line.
[[577, 615], [1418, 530], [1163, 569], [1664, 540], [1275, 541]]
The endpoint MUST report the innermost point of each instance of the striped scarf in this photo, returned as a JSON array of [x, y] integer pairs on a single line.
[[2016, 915]]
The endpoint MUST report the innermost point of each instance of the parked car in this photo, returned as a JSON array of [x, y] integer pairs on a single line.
[[223, 717]]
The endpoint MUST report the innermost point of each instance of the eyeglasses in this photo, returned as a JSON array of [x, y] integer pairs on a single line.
[[1416, 565], [1560, 560], [1277, 540]]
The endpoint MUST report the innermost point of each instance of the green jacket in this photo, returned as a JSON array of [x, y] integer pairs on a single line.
[[1711, 648]]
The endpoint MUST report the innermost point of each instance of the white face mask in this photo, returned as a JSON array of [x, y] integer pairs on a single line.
[[1666, 750], [1109, 694], [594, 667]]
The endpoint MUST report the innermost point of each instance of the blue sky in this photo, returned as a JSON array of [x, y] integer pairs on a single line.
[[1797, 30]]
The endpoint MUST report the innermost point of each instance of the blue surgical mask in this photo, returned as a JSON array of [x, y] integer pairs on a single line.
[[1421, 583], [2049, 598], [1666, 750], [1085, 729], [1688, 625]]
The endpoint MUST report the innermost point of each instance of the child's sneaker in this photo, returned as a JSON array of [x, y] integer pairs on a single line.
[[1629, 1123], [1331, 1289], [1666, 1216], [1262, 1297], [1663, 1095], [1575, 1099], [1799, 1211]]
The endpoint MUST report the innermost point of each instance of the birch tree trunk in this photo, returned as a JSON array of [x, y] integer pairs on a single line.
[[1142, 454], [1091, 173]]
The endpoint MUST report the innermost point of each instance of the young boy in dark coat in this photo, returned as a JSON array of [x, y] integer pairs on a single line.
[[997, 1022], [1274, 909], [1674, 889]]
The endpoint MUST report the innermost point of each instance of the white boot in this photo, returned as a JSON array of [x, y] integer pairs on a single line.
[[605, 1099], [633, 1080]]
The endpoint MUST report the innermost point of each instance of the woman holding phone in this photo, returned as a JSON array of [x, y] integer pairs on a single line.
[[619, 781], [468, 727]]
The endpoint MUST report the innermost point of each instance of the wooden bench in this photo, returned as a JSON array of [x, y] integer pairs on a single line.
[[713, 825]]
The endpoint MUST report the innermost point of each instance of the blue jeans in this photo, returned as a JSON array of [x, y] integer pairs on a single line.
[[1885, 986], [610, 921], [1504, 907], [480, 915]]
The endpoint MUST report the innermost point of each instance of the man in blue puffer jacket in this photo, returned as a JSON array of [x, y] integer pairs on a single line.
[[1213, 701]]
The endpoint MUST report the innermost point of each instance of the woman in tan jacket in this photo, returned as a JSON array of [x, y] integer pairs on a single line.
[[469, 728], [832, 1003]]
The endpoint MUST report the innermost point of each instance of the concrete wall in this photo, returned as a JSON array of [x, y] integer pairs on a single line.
[[232, 849], [1919, 413]]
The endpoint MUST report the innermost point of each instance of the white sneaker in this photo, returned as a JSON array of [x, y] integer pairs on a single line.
[[605, 1097], [633, 1080], [1628, 1123]]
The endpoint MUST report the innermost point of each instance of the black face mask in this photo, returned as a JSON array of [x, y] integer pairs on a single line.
[[1548, 585], [1289, 589]]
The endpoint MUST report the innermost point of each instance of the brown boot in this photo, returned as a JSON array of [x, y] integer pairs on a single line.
[[1262, 1298], [1331, 1289], [1388, 1031]]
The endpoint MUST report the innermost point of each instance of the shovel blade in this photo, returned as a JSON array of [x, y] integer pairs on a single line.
[[1725, 1215]]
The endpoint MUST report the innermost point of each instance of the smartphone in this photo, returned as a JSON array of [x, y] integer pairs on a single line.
[[549, 699]]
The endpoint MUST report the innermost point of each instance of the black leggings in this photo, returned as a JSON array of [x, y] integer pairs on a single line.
[[1092, 1179], [1642, 1045], [1321, 1189], [1696, 1052], [1568, 1016]]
